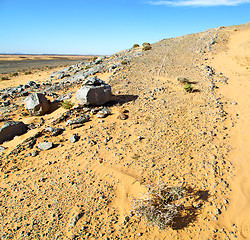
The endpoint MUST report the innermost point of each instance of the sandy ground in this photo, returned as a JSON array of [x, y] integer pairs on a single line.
[[235, 64], [182, 139], [22, 79]]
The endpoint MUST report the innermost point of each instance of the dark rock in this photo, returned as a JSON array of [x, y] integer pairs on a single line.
[[37, 104], [94, 92], [31, 143], [11, 129], [6, 104], [30, 83], [25, 93]]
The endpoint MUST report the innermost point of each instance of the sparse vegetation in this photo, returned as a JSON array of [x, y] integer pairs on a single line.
[[145, 44], [136, 45], [92, 59], [124, 62], [5, 78], [136, 156], [188, 88], [160, 204], [146, 48], [14, 74], [67, 104], [183, 80], [28, 72], [87, 67]]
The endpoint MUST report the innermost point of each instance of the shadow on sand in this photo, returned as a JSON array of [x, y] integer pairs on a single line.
[[188, 214], [121, 99]]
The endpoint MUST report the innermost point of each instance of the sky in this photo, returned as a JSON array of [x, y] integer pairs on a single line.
[[103, 27]]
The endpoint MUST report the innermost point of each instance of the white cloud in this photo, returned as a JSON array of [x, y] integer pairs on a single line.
[[199, 3]]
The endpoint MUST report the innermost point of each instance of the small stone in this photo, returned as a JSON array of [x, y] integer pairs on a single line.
[[217, 211], [74, 138]]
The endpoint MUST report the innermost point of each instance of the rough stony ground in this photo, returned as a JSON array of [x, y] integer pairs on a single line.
[[85, 190]]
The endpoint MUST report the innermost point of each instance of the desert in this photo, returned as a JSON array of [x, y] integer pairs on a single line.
[[177, 123]]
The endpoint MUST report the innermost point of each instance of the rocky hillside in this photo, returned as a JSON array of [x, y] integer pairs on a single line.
[[166, 122]]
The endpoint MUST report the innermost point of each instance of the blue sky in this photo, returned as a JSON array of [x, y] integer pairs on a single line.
[[107, 26]]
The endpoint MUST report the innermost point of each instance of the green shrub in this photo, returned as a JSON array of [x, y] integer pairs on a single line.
[[160, 205], [188, 88], [67, 105], [28, 72], [145, 44], [146, 48], [136, 45]]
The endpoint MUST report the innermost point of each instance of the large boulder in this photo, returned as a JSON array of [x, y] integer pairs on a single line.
[[11, 129], [94, 92], [37, 104]]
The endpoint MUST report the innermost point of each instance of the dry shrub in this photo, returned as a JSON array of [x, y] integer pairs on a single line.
[[146, 48], [183, 80], [136, 45], [159, 205]]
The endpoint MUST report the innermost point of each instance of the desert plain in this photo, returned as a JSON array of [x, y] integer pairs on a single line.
[[198, 141]]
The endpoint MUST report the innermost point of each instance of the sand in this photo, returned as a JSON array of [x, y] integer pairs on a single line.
[[235, 64], [85, 190]]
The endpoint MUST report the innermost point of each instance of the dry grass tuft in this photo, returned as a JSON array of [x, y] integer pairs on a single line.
[[160, 204]]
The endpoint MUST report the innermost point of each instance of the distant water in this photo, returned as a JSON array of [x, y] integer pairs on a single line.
[[24, 65]]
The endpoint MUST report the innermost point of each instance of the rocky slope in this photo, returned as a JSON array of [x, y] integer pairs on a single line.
[[83, 187]]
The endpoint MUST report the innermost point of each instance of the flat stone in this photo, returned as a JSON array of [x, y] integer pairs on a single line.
[[79, 120], [45, 145]]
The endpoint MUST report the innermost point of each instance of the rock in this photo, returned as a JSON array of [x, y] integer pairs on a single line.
[[6, 103], [74, 138], [2, 148], [37, 104], [217, 211], [103, 113], [30, 83], [11, 129], [45, 145], [75, 218], [81, 119], [94, 92], [34, 153], [122, 116], [54, 131]]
